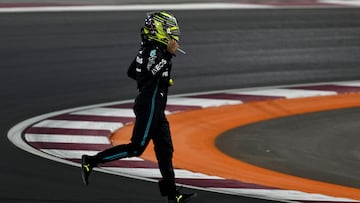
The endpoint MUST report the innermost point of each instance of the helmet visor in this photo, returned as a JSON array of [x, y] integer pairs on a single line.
[[173, 32]]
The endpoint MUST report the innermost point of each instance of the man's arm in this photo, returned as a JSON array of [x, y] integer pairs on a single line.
[[132, 70]]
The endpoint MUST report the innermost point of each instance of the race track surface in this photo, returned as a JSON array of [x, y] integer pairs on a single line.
[[319, 146], [55, 61]]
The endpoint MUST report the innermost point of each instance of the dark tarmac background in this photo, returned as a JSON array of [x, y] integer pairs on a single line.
[[55, 61]]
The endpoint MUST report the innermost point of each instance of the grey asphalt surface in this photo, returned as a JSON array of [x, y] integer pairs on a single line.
[[321, 146], [54, 61]]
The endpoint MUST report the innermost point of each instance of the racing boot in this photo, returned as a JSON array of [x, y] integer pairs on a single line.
[[181, 197], [86, 168]]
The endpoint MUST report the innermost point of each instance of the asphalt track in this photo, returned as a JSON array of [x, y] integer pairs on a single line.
[[325, 138], [54, 61]]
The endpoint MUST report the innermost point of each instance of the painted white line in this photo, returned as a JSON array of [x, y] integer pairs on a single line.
[[204, 103], [69, 154], [341, 2], [76, 154], [155, 173], [180, 173], [137, 7], [83, 139], [286, 194], [287, 93], [85, 125], [351, 84], [106, 112]]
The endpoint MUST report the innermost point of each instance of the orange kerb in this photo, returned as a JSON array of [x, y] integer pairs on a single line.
[[194, 133]]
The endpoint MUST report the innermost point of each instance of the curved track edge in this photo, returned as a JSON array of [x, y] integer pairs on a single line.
[[25, 134]]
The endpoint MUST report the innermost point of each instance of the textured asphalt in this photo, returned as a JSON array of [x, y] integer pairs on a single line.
[[320, 146], [54, 61]]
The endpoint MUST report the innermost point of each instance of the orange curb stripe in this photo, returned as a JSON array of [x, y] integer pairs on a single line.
[[194, 133]]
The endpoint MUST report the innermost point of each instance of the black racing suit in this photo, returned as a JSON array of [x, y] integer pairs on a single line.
[[151, 69]]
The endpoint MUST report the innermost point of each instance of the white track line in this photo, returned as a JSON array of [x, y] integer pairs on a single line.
[[83, 139], [106, 112], [287, 93], [341, 2], [155, 173], [85, 125], [136, 7], [171, 6], [204, 103], [286, 194], [76, 154], [351, 84], [69, 154]]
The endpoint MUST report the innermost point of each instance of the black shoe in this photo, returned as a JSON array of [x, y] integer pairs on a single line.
[[86, 168], [182, 197]]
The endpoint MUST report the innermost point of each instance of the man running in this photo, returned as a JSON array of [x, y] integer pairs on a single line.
[[151, 69]]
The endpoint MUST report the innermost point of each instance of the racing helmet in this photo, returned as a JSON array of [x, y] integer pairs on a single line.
[[161, 27]]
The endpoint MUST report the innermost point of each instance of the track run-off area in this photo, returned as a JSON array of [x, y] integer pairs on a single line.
[[197, 118]]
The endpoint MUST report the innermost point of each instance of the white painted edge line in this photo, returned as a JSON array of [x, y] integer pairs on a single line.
[[76, 154], [288, 194], [110, 170], [69, 154], [350, 83], [136, 7], [200, 102], [342, 2], [287, 93], [155, 173], [116, 112], [53, 138], [170, 6], [92, 125]]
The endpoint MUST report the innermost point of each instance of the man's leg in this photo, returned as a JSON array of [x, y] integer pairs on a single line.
[[164, 153], [141, 135], [145, 123], [164, 150]]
